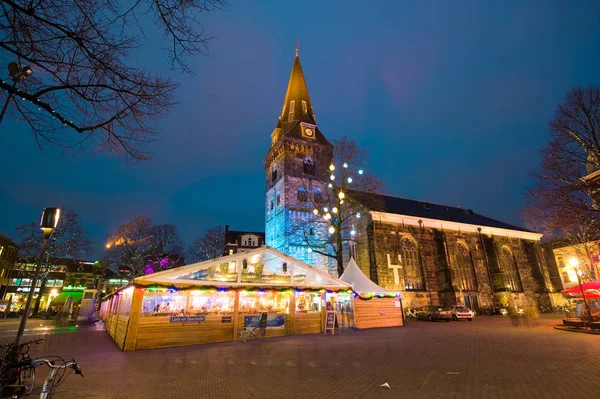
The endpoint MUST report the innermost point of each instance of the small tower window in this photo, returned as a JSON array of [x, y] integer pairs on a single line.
[[302, 196], [273, 173], [318, 195], [278, 199], [304, 106], [272, 204], [309, 166], [291, 114]]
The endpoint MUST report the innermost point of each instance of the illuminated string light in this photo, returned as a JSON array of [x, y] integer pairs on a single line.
[[360, 171], [353, 232], [334, 210], [330, 185], [331, 229], [358, 215], [316, 211], [332, 177], [341, 195], [345, 165], [349, 180], [331, 167], [325, 209]]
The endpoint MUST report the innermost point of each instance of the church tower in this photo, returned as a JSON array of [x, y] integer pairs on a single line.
[[296, 175]]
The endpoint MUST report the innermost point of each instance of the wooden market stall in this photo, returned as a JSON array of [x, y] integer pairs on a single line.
[[374, 306], [213, 301]]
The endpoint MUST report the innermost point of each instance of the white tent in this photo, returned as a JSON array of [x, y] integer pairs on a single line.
[[357, 279], [261, 267]]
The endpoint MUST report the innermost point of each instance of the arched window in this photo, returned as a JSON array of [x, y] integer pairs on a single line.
[[508, 267], [278, 199], [273, 173], [413, 278], [466, 276], [302, 195], [309, 166], [318, 196]]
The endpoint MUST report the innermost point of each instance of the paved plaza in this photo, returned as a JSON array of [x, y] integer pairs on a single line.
[[486, 358]]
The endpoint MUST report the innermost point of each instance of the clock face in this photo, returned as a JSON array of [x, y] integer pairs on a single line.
[[309, 132]]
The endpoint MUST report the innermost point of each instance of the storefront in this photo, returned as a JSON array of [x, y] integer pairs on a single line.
[[213, 301]]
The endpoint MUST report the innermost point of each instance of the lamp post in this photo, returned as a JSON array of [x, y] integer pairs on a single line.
[[574, 262], [48, 223]]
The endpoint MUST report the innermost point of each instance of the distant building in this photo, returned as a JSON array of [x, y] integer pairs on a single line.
[[8, 257], [588, 257], [242, 241]]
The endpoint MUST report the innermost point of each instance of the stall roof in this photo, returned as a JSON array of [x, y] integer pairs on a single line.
[[361, 283], [265, 267]]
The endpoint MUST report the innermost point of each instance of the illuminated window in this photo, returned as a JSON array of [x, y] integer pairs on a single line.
[[272, 204], [565, 277], [291, 114], [273, 173], [307, 302], [508, 267], [270, 302], [464, 265], [302, 195], [413, 278], [164, 304], [210, 303], [304, 106]]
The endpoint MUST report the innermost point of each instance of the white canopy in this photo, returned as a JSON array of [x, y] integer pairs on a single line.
[[262, 266], [361, 283]]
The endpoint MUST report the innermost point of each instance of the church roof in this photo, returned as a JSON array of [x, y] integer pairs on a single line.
[[428, 210], [293, 116]]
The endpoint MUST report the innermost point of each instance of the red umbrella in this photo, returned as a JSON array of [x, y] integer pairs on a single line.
[[591, 286]]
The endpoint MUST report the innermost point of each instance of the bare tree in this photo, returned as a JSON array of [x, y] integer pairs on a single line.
[[572, 153], [69, 240], [129, 245], [334, 211], [70, 70], [209, 246]]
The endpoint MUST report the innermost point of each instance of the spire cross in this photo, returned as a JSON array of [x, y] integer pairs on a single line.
[[297, 45]]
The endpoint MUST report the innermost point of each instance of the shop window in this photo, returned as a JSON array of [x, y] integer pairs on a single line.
[[25, 282], [15, 281], [58, 283], [307, 302], [163, 304], [213, 303], [126, 299], [50, 283], [270, 302]]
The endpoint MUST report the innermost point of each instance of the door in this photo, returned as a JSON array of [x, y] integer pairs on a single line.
[[467, 301], [475, 303]]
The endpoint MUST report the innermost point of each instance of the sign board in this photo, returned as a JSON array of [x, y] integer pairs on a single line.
[[187, 319], [331, 322], [272, 321], [226, 319]]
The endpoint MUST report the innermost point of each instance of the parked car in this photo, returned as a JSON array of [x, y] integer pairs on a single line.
[[434, 313], [462, 312]]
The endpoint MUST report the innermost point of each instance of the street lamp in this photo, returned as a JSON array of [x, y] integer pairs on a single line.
[[50, 218], [574, 262]]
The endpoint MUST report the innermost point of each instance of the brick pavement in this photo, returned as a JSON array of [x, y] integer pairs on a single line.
[[486, 358]]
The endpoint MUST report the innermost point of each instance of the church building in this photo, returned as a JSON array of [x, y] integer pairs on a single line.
[[432, 254]]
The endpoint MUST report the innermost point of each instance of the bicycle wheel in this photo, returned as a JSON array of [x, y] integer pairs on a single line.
[[27, 378], [244, 335]]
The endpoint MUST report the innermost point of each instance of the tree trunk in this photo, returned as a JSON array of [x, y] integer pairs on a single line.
[[38, 300]]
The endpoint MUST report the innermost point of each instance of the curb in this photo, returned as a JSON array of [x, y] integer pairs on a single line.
[[576, 330]]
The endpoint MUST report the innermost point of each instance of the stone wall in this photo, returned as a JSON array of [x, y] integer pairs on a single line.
[[378, 246]]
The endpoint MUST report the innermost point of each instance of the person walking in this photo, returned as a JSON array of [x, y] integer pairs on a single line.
[[513, 314], [263, 325]]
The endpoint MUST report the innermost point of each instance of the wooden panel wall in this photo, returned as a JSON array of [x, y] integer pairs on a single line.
[[158, 332], [308, 323], [377, 312], [120, 330]]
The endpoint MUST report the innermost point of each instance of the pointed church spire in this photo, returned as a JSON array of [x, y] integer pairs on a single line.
[[297, 105]]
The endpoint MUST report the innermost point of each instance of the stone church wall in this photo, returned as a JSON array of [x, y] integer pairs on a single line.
[[377, 250]]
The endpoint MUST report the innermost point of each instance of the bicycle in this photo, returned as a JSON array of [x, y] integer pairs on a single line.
[[250, 332], [17, 376], [57, 375]]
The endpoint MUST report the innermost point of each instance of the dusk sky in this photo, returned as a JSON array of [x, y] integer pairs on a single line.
[[451, 98]]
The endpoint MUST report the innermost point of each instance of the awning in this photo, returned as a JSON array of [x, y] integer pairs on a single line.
[[590, 286], [62, 297]]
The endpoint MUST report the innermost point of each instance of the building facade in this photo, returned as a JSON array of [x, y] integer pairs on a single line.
[[8, 257], [433, 254], [242, 241], [587, 256]]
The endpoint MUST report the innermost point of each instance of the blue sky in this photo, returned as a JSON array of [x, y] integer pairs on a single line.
[[451, 98]]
